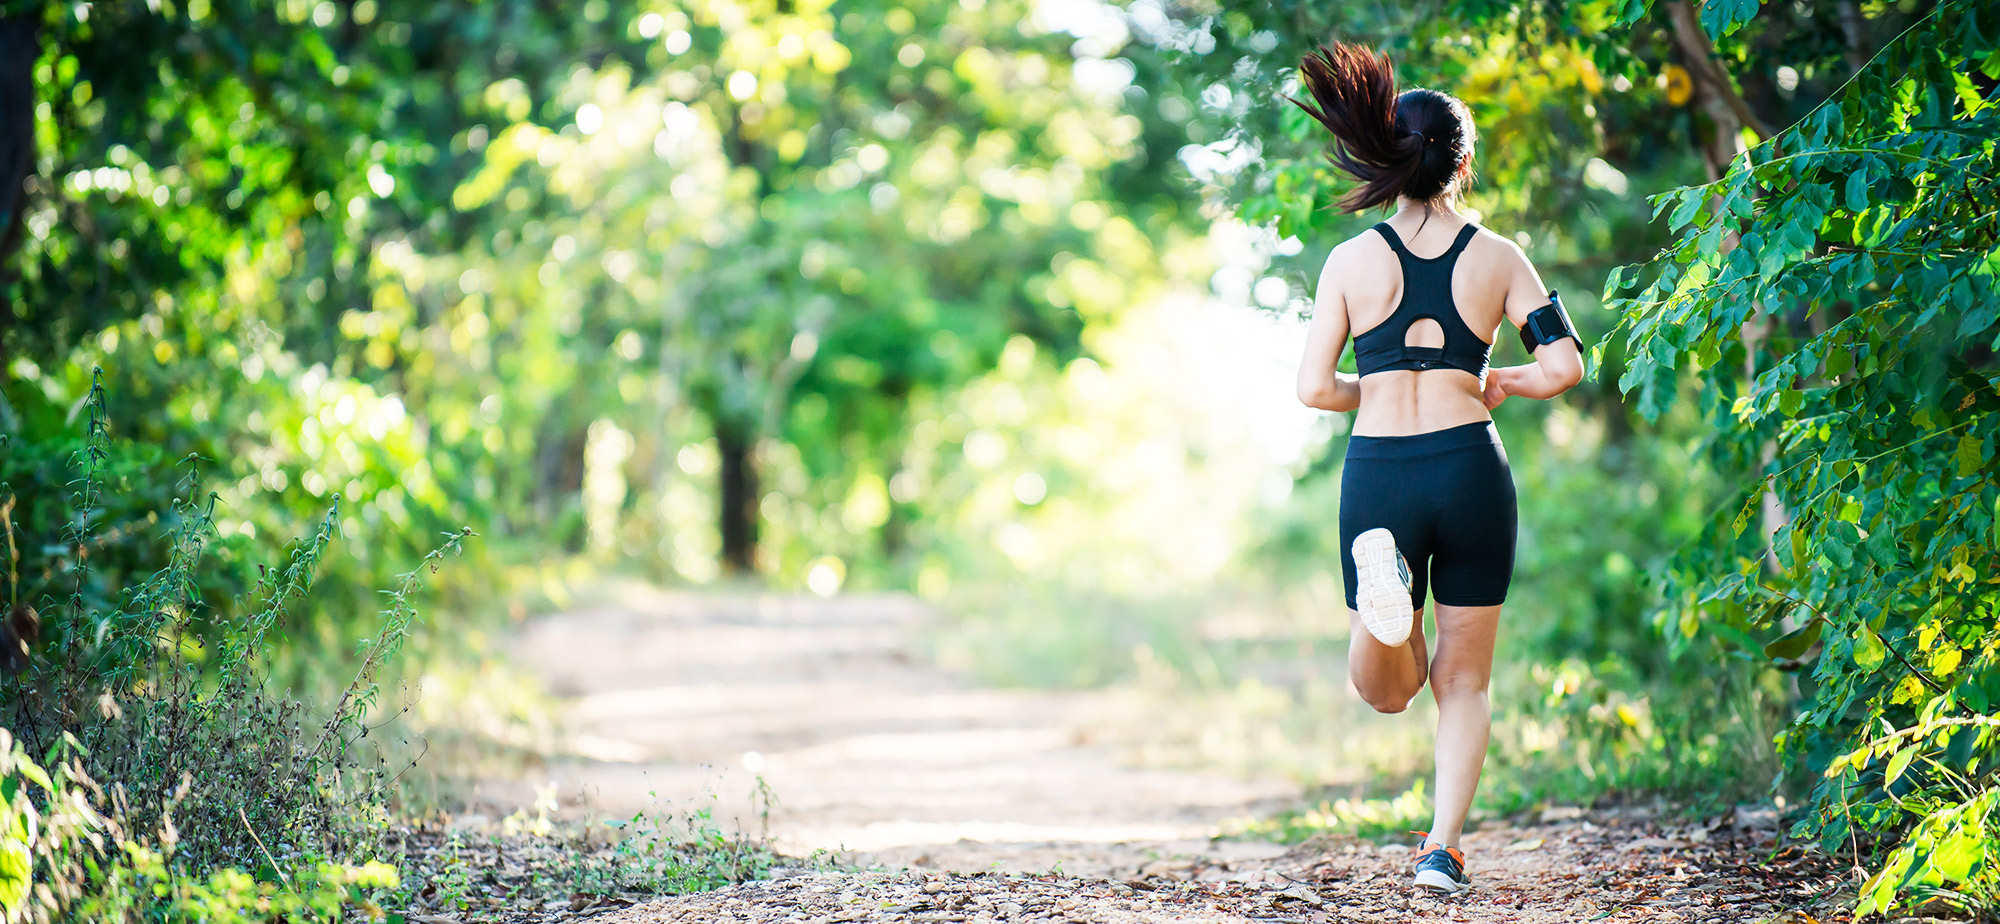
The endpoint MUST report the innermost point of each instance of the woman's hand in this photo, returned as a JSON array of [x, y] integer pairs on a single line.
[[1496, 387]]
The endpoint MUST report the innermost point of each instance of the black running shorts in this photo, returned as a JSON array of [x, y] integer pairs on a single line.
[[1448, 498]]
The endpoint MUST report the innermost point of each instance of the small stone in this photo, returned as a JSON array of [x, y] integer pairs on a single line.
[[1653, 843], [1555, 813]]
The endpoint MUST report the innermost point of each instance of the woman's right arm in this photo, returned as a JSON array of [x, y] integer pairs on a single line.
[[1321, 383]]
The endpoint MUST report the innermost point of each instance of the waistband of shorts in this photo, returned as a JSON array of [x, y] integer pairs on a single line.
[[1481, 434]]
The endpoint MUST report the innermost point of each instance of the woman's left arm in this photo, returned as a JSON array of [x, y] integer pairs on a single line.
[[1557, 367]]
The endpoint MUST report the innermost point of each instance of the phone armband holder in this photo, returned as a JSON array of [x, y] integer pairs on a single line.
[[1548, 324]]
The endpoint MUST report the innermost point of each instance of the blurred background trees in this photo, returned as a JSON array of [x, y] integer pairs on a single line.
[[525, 267]]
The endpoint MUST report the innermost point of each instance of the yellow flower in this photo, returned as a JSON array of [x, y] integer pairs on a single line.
[[1678, 84]]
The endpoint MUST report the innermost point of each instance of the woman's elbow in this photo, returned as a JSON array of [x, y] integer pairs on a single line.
[[1313, 390], [1571, 373], [1561, 368]]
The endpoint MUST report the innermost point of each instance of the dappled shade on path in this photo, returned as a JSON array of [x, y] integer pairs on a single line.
[[867, 745]]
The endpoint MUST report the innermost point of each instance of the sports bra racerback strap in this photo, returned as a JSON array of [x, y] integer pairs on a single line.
[[1426, 295]]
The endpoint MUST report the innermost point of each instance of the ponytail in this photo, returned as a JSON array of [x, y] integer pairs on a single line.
[[1416, 144]]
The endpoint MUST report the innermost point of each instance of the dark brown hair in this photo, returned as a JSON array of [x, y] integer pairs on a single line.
[[1417, 144]]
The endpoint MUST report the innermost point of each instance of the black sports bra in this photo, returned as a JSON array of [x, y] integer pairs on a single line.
[[1426, 294]]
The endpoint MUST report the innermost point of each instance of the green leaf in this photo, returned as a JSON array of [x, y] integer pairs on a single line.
[[35, 774], [1881, 546], [1690, 204], [1869, 652], [1661, 351], [1790, 400], [1978, 317], [1742, 521], [1633, 11], [1898, 763], [1721, 17], [1857, 191], [16, 873], [1969, 455], [1955, 857], [1789, 646]]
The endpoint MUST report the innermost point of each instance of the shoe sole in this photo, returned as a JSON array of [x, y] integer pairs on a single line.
[[1383, 594], [1440, 883]]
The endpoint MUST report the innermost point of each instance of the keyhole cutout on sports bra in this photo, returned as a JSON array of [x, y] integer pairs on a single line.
[[1424, 332]]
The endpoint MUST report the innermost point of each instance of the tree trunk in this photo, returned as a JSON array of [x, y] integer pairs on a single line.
[[1851, 32], [1715, 95], [737, 443], [20, 45]]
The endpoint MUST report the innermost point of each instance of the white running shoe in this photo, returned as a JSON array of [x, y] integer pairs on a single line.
[[1382, 591]]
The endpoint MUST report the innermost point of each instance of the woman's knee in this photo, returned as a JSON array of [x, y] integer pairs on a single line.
[[1447, 682], [1384, 698]]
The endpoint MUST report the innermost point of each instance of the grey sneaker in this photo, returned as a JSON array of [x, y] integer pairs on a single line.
[[1441, 870], [1382, 592]]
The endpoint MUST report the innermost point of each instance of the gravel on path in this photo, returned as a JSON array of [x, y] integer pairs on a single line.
[[1601, 867]]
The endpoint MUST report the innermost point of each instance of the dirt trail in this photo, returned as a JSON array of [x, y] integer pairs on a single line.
[[868, 747], [977, 804]]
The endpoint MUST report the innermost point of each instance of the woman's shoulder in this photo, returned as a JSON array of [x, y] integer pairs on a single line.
[[1490, 239], [1367, 245], [1496, 249]]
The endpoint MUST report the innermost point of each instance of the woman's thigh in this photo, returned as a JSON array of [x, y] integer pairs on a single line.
[[1462, 660]]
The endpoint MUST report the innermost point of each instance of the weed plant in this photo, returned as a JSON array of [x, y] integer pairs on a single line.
[[176, 761], [531, 865]]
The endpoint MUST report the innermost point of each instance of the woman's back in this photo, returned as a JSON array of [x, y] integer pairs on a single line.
[[1367, 279]]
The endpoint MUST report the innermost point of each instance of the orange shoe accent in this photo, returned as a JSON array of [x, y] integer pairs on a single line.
[[1456, 854]]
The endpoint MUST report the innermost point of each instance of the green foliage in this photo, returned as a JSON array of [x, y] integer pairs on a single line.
[[1834, 296], [1376, 819], [211, 181], [68, 853], [179, 727]]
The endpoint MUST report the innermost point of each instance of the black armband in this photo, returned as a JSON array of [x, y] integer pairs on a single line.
[[1547, 325]]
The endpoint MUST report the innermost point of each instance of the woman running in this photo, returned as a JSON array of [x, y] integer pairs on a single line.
[[1426, 498]]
